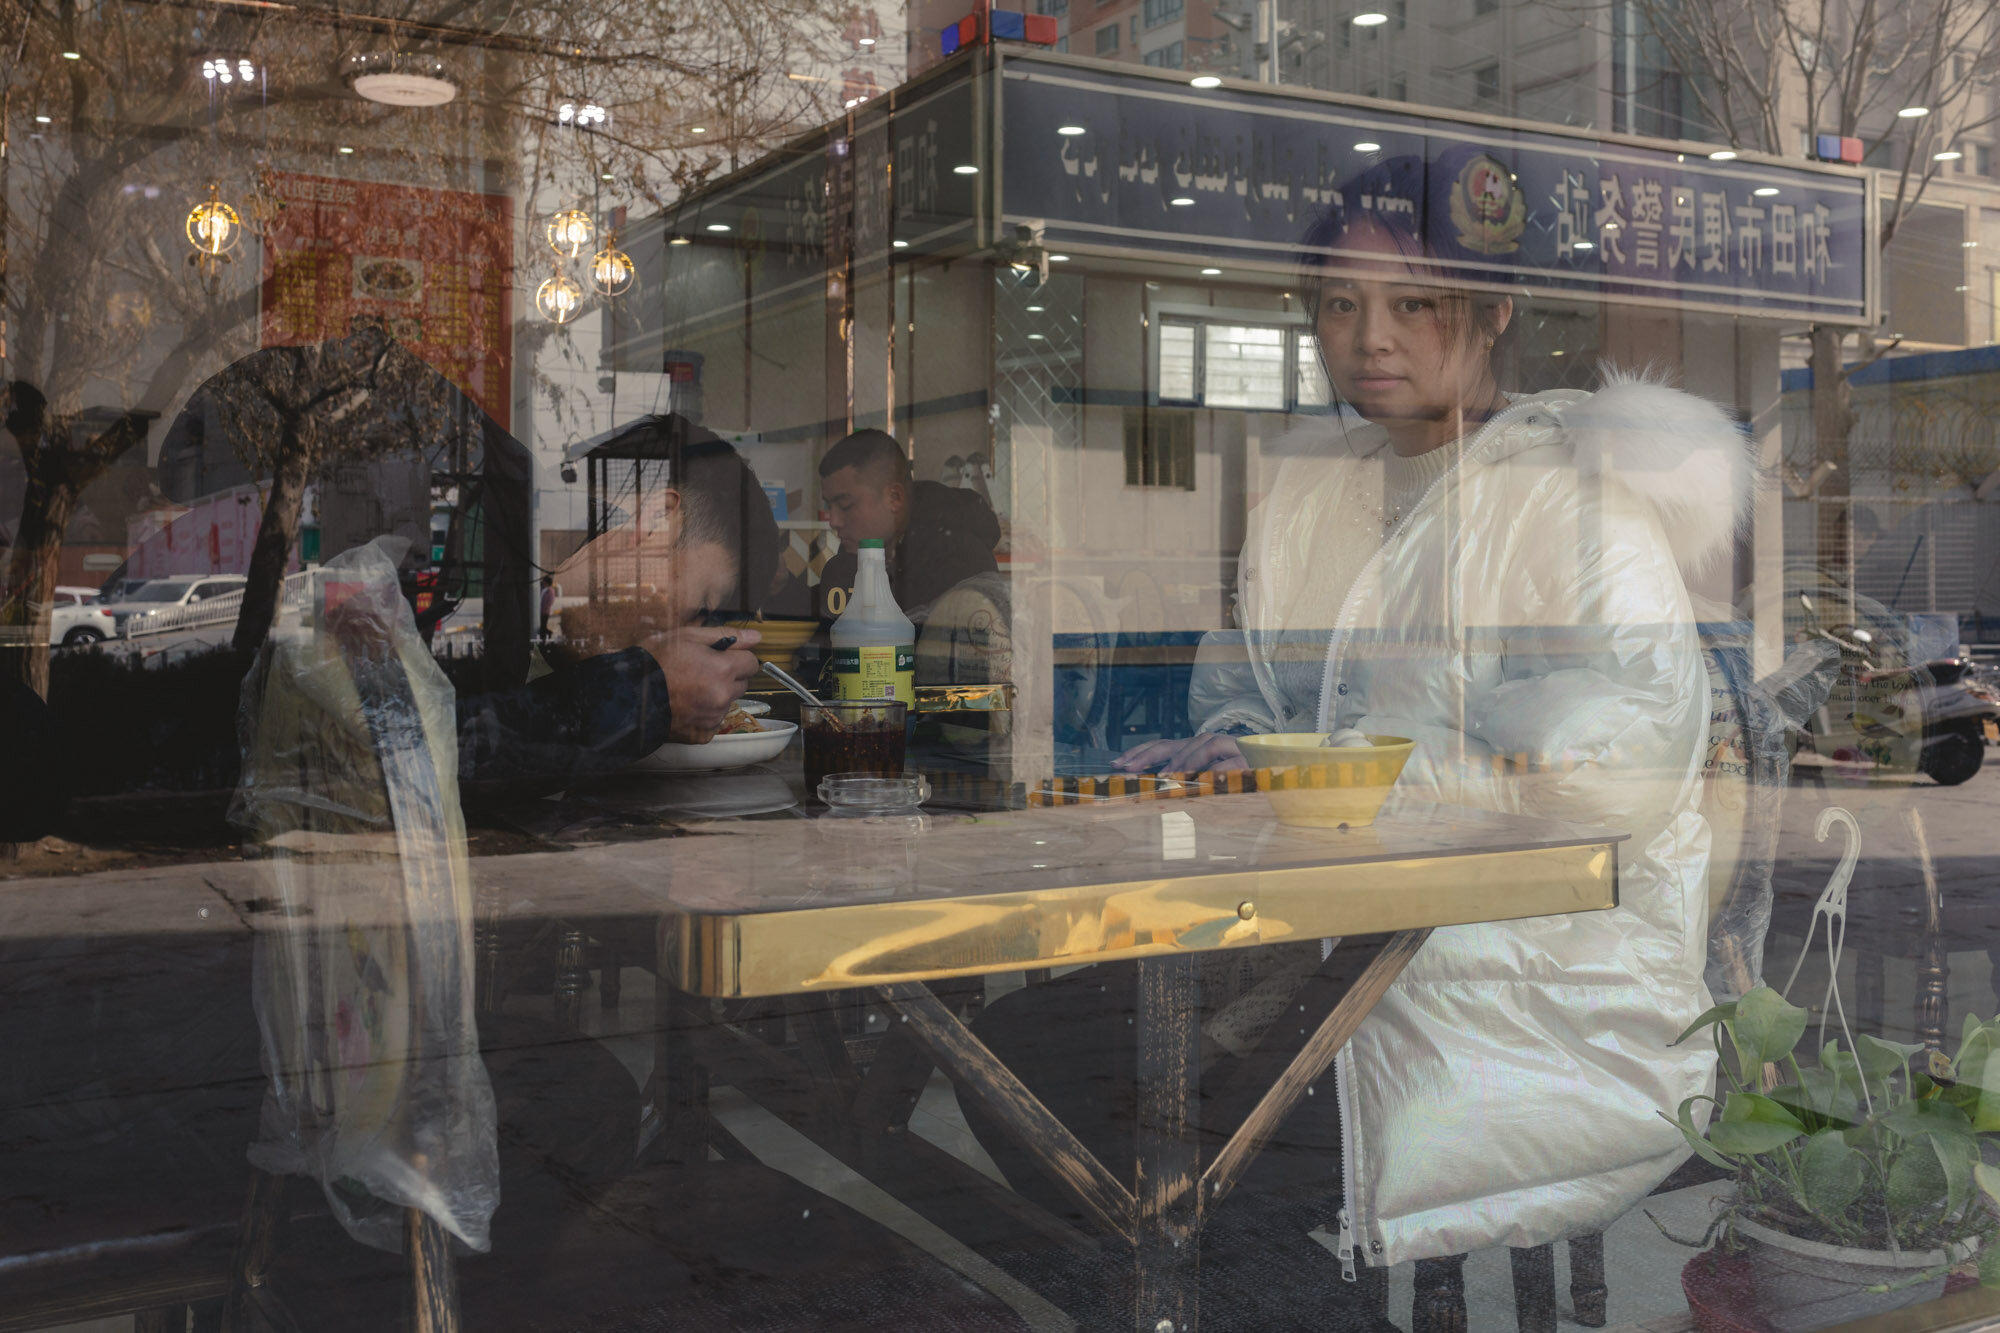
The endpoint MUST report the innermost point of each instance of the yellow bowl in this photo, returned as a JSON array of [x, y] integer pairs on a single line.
[[1320, 786]]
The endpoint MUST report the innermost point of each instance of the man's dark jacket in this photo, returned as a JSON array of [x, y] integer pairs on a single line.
[[951, 537]]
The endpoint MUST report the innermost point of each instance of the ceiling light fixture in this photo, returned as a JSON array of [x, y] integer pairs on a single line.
[[1723, 155], [718, 226], [214, 230], [1914, 112], [611, 269], [1765, 191], [1948, 155], [1069, 131], [1204, 81], [400, 78], [218, 69], [569, 231], [559, 298], [1211, 273], [1370, 19], [1181, 201], [965, 169], [1366, 147]]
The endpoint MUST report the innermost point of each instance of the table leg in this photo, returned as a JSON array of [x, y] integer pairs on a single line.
[[1278, 1098], [979, 1077], [1166, 1296]]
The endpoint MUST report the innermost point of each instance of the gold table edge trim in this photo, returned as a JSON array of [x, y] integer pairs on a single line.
[[809, 949]]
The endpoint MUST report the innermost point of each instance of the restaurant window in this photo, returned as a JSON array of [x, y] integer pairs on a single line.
[[1159, 448], [427, 453]]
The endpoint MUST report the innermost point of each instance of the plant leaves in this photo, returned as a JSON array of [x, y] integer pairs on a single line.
[[1957, 1155], [1978, 1078], [1988, 1180], [1915, 1120], [1753, 1124], [1696, 1140], [1831, 1173], [1916, 1182], [1720, 1013], [1989, 1266], [1819, 1099], [1879, 1059], [1765, 1029]]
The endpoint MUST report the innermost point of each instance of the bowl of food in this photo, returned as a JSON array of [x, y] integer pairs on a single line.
[[745, 739], [1325, 786]]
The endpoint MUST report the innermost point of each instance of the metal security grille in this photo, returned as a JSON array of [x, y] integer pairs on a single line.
[[1038, 384]]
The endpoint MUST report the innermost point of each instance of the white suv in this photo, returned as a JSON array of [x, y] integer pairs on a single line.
[[80, 618]]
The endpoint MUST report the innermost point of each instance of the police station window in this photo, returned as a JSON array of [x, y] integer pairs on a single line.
[[1310, 390], [1052, 6], [1232, 364], [1486, 83], [1982, 159], [1107, 39], [1159, 448], [1167, 57], [1162, 11]]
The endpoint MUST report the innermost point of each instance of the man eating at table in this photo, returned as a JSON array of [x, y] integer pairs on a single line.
[[649, 666]]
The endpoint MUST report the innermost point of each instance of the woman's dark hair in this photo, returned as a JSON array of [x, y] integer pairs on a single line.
[[1406, 200]]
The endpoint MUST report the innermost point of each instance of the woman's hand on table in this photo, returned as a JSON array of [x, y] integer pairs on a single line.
[[1208, 752], [703, 680]]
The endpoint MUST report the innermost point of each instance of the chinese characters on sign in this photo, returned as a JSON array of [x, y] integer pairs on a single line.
[[435, 266], [1117, 159]]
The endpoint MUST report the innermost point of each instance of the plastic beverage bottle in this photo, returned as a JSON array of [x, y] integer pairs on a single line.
[[874, 643]]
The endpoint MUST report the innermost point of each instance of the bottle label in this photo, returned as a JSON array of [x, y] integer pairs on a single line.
[[876, 673]]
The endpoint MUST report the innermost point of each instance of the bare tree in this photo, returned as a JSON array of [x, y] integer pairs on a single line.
[[1839, 67], [109, 133]]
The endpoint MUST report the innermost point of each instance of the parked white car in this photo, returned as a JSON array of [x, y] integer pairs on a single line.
[[80, 618], [159, 599]]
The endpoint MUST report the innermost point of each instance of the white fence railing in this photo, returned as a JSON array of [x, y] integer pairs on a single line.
[[212, 611]]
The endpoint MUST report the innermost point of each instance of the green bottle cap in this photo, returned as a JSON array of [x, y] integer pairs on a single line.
[[871, 543]]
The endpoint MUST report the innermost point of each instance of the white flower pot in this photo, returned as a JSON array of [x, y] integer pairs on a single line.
[[1804, 1284]]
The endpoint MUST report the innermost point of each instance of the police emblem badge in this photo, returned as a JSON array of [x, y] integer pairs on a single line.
[[1487, 208]]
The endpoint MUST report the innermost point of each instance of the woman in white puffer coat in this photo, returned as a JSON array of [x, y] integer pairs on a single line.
[[1502, 579]]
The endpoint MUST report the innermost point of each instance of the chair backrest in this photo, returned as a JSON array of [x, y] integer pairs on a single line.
[[364, 987]]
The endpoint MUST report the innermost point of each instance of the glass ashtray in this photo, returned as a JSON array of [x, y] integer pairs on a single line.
[[873, 793]]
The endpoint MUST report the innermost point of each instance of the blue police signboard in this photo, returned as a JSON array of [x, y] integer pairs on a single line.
[[1155, 167]]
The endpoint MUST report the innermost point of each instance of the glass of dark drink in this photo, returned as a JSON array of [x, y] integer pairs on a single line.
[[852, 736]]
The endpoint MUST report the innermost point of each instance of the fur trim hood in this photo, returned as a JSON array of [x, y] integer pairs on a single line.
[[1684, 455]]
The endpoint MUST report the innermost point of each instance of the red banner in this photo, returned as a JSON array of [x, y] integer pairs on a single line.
[[435, 265]]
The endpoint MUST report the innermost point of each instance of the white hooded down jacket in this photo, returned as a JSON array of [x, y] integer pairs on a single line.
[[1528, 624]]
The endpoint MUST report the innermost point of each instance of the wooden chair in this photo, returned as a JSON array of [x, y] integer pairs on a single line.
[[1746, 778], [582, 1239]]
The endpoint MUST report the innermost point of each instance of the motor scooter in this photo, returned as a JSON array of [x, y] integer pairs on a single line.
[[1882, 718]]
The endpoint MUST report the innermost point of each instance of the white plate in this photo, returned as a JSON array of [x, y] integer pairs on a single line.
[[731, 751]]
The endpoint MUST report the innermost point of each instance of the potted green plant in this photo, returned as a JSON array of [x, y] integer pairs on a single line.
[[1860, 1180]]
